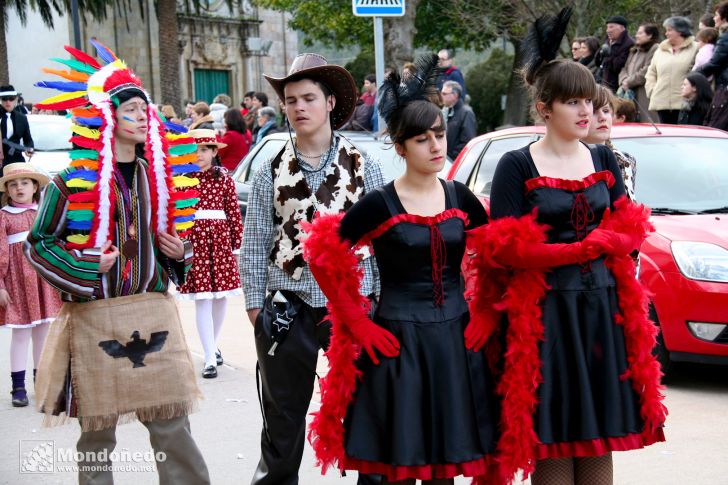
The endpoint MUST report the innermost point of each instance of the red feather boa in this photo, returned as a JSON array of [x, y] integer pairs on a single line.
[[334, 264], [485, 283], [525, 289], [336, 268], [640, 333]]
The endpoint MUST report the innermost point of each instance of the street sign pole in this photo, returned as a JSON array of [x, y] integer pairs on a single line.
[[379, 63], [378, 9]]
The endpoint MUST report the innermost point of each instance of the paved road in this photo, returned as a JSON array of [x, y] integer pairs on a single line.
[[228, 425]]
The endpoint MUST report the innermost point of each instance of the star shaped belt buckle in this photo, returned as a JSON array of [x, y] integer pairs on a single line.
[[284, 313]]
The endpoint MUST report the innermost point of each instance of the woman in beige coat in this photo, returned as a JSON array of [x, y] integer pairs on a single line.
[[672, 61], [632, 76]]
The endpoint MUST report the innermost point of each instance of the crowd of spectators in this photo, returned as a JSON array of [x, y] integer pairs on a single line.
[[682, 78]]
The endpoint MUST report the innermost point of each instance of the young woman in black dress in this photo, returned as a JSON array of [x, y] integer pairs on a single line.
[[418, 401], [579, 380]]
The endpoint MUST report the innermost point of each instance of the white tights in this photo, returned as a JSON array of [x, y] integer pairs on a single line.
[[19, 343], [210, 315]]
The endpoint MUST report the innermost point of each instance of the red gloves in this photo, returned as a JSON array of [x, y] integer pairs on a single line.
[[613, 243], [477, 333], [353, 315], [528, 255], [373, 337]]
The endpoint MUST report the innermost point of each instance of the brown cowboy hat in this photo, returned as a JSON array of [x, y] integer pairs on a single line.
[[336, 78]]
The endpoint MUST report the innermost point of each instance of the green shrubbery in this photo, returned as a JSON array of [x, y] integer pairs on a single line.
[[487, 81]]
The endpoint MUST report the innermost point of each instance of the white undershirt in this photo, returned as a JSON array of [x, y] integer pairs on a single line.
[[10, 129]]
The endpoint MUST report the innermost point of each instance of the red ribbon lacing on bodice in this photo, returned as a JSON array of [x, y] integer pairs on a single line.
[[438, 253], [581, 216]]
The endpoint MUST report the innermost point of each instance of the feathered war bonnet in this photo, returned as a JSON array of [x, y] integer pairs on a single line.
[[397, 93], [89, 93]]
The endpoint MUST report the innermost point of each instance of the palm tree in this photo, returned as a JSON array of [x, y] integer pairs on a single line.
[[169, 50], [97, 9]]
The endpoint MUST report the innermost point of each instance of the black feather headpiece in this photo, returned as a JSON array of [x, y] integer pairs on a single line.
[[397, 92], [542, 42]]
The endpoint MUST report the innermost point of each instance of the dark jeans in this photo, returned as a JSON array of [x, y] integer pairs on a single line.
[[287, 380], [668, 116]]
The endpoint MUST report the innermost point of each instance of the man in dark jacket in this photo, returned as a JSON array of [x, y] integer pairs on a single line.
[[14, 127], [461, 126], [450, 72], [619, 45], [717, 66]]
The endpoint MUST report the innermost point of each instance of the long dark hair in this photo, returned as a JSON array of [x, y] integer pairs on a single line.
[[234, 120], [592, 43], [654, 32], [703, 92]]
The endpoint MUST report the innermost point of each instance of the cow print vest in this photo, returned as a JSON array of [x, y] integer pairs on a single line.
[[294, 201]]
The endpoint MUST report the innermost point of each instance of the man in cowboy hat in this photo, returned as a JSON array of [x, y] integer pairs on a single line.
[[14, 127], [318, 170]]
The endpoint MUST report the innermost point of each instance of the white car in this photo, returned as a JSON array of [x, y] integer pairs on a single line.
[[51, 135], [379, 149]]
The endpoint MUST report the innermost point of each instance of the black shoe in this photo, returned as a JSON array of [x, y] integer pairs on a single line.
[[209, 372], [218, 357], [20, 398]]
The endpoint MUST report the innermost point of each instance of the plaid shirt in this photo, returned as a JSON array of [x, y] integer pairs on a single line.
[[257, 273]]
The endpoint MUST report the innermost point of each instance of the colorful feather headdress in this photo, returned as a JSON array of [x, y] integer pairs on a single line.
[[87, 93]]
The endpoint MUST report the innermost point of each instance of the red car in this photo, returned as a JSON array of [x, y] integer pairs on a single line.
[[682, 175]]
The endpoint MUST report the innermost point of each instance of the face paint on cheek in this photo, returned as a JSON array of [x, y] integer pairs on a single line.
[[128, 121]]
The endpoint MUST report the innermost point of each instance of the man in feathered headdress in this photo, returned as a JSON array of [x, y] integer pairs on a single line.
[[106, 236], [317, 171]]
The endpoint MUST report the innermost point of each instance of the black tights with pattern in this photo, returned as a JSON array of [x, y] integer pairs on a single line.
[[593, 470]]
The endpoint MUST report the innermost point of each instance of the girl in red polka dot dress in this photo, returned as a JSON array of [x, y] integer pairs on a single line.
[[216, 237]]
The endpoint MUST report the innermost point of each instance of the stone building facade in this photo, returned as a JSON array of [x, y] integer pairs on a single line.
[[219, 47]]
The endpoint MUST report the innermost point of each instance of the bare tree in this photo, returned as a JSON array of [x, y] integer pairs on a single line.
[[399, 34], [510, 19]]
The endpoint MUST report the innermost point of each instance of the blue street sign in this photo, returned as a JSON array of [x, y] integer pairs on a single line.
[[378, 8]]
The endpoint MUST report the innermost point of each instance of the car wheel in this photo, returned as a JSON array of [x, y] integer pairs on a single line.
[[660, 351]]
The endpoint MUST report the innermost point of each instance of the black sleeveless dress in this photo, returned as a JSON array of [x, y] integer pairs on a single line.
[[431, 411], [585, 407]]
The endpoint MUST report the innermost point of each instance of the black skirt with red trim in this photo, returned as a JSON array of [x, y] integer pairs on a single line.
[[587, 404], [585, 407], [431, 412]]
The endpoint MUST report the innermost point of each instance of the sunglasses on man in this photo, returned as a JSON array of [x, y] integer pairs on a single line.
[[8, 98]]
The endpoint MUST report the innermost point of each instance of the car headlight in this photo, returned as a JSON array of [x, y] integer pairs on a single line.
[[706, 331], [701, 261]]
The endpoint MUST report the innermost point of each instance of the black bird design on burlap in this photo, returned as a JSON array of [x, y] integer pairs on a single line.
[[137, 348]]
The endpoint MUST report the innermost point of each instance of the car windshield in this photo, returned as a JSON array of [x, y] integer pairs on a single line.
[[269, 148], [392, 164], [679, 173], [50, 134], [378, 150]]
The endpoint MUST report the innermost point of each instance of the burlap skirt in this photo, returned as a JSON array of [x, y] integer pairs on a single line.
[[128, 360]]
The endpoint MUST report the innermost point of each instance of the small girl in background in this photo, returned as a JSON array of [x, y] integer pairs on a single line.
[[706, 45], [27, 303], [216, 235]]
